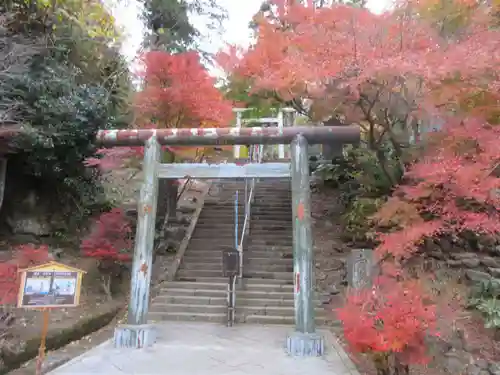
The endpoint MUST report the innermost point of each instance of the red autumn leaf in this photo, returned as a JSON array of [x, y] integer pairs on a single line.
[[109, 239]]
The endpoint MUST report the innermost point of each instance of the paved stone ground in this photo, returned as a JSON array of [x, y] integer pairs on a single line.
[[211, 349]]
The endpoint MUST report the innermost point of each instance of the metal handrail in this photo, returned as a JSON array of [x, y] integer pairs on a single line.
[[255, 155], [189, 180]]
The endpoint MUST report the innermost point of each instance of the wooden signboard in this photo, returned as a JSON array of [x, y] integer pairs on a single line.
[[45, 287], [50, 285]]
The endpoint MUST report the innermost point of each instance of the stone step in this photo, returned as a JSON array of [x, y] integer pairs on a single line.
[[220, 300], [212, 285], [276, 198], [249, 259], [264, 294], [196, 274], [255, 226], [189, 308], [202, 232], [183, 299], [268, 204], [210, 252], [266, 275], [269, 248], [264, 213], [281, 320], [214, 248], [263, 302], [201, 266], [248, 268], [261, 213], [191, 317], [270, 255], [218, 244], [254, 218], [183, 292], [215, 257], [203, 240], [255, 223], [242, 310], [268, 243], [239, 318], [221, 283]]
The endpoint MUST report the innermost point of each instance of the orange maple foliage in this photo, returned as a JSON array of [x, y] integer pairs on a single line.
[[336, 52], [454, 184], [346, 55]]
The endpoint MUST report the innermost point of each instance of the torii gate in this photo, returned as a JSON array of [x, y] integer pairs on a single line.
[[137, 333], [285, 118]]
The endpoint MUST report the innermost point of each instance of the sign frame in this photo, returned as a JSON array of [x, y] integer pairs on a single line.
[[50, 268]]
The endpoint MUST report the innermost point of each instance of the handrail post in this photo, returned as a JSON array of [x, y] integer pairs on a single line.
[[247, 206], [236, 220]]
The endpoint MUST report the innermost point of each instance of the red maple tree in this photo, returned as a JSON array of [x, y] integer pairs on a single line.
[[370, 66], [109, 242], [179, 92]]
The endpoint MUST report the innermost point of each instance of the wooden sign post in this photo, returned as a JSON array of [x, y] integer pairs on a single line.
[[45, 287]]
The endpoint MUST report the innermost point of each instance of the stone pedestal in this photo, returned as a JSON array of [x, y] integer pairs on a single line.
[[305, 344], [134, 336]]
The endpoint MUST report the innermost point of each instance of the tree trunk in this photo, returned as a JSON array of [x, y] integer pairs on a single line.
[[399, 367], [382, 364], [106, 286], [332, 150]]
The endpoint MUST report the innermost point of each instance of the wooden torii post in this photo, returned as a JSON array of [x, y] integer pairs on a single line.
[[304, 341]]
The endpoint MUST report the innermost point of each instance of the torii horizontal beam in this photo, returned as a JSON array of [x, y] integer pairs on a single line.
[[230, 170], [229, 136]]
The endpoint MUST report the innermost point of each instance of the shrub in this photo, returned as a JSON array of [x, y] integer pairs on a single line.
[[110, 243], [389, 323]]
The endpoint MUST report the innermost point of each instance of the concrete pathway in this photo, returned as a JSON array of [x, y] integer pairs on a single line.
[[211, 349]]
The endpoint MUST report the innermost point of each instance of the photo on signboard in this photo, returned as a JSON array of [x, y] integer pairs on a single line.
[[37, 286], [64, 286]]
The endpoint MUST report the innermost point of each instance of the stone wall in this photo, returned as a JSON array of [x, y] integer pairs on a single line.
[[479, 258]]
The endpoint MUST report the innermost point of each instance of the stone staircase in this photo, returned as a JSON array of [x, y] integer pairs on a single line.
[[266, 293]]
